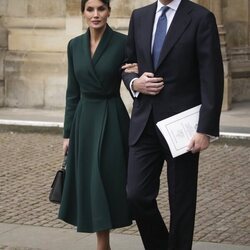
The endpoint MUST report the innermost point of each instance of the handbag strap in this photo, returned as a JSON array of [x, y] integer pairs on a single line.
[[64, 161]]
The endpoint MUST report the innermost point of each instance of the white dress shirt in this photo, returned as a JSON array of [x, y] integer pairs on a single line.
[[173, 6]]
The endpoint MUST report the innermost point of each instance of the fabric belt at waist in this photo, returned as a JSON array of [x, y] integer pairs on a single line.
[[98, 96]]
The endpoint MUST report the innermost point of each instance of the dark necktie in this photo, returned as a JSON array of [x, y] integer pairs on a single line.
[[160, 35]]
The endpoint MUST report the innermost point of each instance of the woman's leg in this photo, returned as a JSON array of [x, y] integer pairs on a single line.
[[103, 240]]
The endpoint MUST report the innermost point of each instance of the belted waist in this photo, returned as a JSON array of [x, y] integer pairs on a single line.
[[99, 96]]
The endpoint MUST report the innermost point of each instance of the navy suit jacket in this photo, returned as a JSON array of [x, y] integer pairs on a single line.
[[190, 63]]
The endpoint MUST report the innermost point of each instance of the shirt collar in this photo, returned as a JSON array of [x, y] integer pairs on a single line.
[[172, 5]]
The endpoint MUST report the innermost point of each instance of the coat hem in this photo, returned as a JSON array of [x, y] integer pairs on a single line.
[[94, 230]]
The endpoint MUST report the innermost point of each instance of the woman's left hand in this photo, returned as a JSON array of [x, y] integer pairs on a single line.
[[130, 68]]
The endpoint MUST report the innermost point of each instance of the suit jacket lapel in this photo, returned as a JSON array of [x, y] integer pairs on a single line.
[[148, 23], [178, 26]]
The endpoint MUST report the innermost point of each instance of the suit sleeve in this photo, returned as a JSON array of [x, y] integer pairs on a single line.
[[72, 95], [211, 75], [130, 54]]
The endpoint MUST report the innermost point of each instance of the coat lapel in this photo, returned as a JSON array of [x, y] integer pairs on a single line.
[[99, 50], [102, 45], [178, 26], [86, 49]]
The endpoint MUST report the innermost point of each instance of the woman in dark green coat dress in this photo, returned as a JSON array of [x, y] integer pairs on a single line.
[[96, 129]]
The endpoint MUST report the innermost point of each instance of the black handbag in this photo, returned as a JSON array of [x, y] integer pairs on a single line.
[[55, 195]]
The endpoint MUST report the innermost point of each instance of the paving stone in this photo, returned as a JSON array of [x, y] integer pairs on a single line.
[[29, 162]]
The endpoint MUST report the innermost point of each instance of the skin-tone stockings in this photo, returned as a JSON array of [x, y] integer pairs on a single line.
[[103, 240]]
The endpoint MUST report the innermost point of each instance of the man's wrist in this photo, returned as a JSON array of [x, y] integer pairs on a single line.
[[133, 91], [133, 85]]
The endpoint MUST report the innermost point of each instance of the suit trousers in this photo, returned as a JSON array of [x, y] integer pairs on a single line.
[[146, 160]]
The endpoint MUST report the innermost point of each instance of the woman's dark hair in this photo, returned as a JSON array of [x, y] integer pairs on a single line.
[[83, 3]]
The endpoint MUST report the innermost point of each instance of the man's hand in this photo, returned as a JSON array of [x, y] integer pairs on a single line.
[[148, 84], [198, 143]]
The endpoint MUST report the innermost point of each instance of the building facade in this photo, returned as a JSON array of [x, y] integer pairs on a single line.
[[34, 36]]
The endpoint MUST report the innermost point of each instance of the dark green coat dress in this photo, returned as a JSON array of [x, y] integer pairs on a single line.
[[96, 121]]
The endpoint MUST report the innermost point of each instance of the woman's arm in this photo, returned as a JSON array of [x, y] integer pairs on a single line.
[[72, 94]]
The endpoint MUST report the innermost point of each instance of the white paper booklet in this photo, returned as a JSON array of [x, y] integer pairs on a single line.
[[179, 129]]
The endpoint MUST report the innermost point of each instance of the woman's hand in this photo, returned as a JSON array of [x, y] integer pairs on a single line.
[[130, 68], [65, 145]]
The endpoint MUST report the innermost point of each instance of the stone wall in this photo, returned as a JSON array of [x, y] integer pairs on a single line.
[[3, 48], [236, 17], [35, 33]]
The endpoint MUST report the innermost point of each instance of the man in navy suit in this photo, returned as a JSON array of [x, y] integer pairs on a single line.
[[176, 45]]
